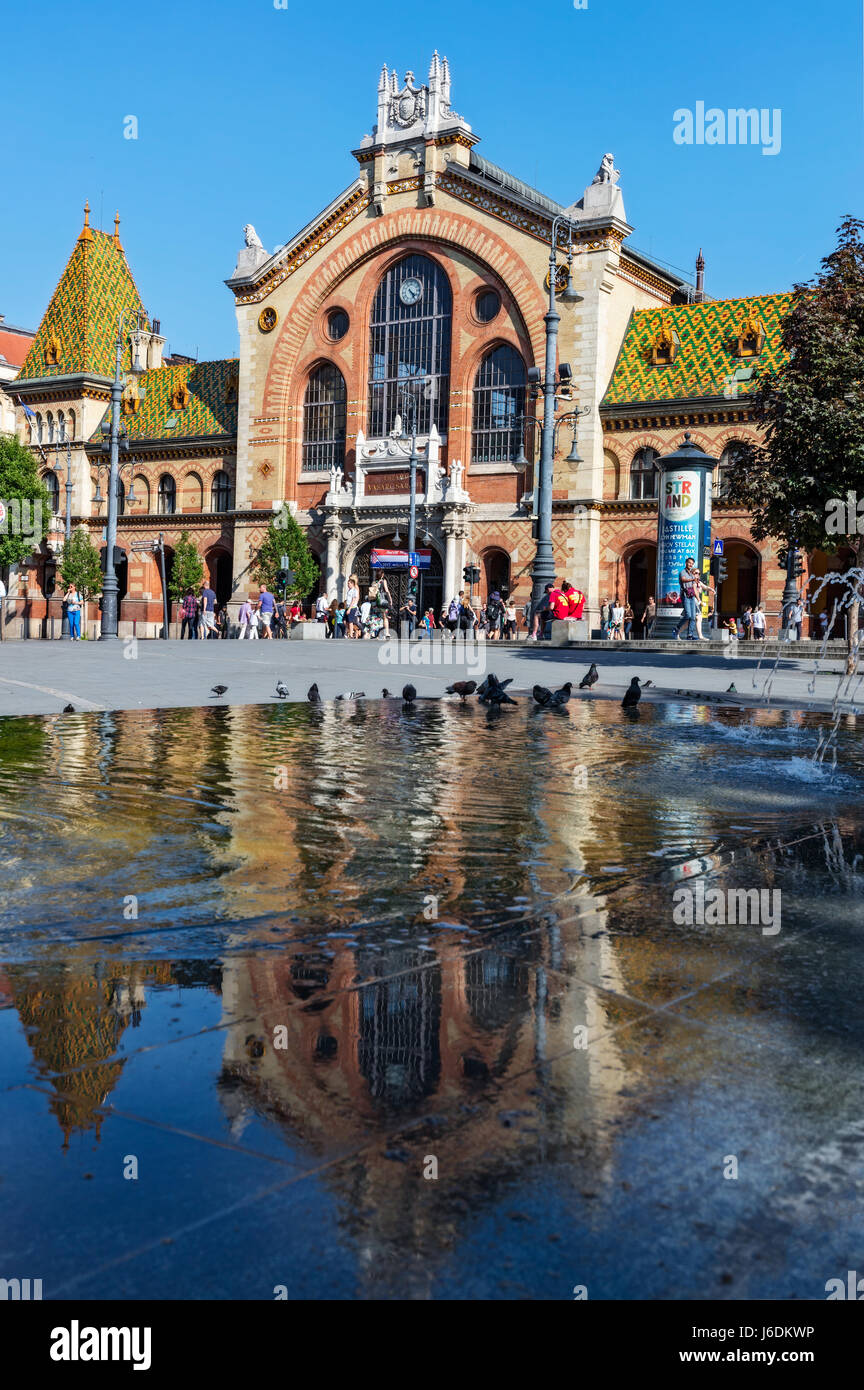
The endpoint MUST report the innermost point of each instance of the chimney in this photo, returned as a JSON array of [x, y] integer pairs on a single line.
[[700, 278]]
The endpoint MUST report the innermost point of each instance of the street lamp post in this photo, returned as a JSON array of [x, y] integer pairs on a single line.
[[543, 569], [64, 624], [109, 625]]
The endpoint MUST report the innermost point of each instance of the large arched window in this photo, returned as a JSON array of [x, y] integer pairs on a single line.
[[499, 398], [410, 340], [728, 459], [324, 420], [220, 492], [643, 475], [52, 483], [61, 426], [39, 426], [167, 495], [50, 421]]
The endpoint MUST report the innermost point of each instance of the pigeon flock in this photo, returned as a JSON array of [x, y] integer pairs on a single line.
[[491, 692]]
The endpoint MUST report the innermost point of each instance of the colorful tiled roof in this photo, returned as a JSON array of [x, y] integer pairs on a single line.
[[81, 319], [706, 362], [210, 395]]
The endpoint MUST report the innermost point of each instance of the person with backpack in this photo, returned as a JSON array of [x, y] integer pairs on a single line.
[[452, 619], [494, 615]]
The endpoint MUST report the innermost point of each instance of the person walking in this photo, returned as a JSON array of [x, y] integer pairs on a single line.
[[321, 608], [408, 613], [495, 615], [352, 607], [509, 631], [758, 623], [72, 599], [617, 621], [266, 608], [605, 617], [208, 612], [247, 628], [189, 615], [339, 619], [222, 626], [796, 619], [688, 580], [280, 619], [747, 622], [628, 622], [384, 600], [649, 617], [452, 618]]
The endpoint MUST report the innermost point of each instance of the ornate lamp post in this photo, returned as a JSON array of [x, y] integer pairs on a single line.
[[64, 627], [543, 569], [110, 587]]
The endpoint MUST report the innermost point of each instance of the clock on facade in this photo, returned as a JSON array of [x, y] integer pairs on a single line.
[[411, 290]]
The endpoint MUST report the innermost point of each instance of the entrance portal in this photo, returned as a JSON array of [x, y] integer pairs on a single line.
[[430, 584], [641, 580]]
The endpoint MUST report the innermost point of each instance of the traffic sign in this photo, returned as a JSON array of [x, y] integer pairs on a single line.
[[413, 571], [718, 546]]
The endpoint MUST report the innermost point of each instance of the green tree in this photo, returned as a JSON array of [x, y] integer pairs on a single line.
[[80, 564], [812, 414], [187, 571], [285, 536], [26, 504]]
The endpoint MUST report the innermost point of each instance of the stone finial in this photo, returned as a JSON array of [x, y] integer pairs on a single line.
[[117, 231], [86, 234]]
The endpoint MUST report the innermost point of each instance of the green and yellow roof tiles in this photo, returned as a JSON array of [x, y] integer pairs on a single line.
[[80, 323], [707, 361], [210, 406]]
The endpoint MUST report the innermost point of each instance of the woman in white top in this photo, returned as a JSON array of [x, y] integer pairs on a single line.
[[352, 608], [618, 622]]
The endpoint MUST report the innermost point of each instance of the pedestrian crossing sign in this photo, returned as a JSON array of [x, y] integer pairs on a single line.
[[718, 546]]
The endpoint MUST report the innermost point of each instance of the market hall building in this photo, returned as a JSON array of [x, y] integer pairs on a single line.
[[415, 298]]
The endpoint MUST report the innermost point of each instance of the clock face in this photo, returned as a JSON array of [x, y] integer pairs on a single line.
[[411, 290]]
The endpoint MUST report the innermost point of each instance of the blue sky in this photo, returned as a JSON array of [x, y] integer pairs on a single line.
[[248, 113]]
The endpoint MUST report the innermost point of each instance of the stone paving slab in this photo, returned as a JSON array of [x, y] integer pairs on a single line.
[[42, 677]]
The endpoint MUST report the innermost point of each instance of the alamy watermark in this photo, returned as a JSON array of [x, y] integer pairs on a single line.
[[426, 651], [736, 126], [21, 518], [720, 907], [845, 516]]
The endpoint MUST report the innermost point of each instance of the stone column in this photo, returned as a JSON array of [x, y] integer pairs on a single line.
[[332, 575], [451, 587]]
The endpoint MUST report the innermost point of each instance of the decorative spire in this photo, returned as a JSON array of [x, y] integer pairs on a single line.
[[86, 234], [383, 79], [117, 242], [700, 278]]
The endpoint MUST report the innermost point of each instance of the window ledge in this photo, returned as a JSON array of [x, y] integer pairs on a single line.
[[509, 469]]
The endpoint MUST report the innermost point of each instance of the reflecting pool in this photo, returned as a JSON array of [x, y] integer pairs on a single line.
[[355, 1002]]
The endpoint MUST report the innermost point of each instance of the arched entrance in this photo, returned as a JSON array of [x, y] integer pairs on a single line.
[[740, 589], [221, 569], [496, 566], [431, 581], [641, 582]]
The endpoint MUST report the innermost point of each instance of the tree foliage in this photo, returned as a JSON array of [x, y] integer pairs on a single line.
[[187, 570], [25, 521], [285, 536], [812, 415], [80, 564]]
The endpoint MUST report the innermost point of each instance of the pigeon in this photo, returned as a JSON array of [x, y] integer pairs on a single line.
[[312, 695], [541, 695], [68, 709], [645, 684], [385, 694], [732, 690], [560, 697], [462, 688], [219, 689], [281, 690], [352, 695], [409, 694], [590, 678], [498, 696], [487, 690], [632, 695]]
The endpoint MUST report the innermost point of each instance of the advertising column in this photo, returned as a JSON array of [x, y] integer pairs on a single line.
[[683, 529]]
